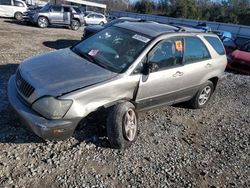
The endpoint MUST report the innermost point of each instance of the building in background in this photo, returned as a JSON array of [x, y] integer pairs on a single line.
[[86, 5]]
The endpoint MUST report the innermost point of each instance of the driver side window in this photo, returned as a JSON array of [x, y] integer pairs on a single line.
[[168, 53]]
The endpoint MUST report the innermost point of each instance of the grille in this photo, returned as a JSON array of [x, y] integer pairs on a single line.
[[23, 87]]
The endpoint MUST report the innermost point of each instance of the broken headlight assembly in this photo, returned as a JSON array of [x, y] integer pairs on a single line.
[[52, 108]]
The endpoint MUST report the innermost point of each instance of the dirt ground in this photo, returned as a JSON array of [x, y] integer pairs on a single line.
[[177, 146]]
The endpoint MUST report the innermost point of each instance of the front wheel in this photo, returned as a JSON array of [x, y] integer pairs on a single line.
[[101, 23], [42, 22], [122, 125], [202, 97], [75, 25]]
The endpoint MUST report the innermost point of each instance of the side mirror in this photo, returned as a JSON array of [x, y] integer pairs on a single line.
[[150, 67]]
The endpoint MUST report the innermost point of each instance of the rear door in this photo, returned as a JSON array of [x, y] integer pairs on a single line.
[[197, 65], [56, 14], [6, 8], [161, 85]]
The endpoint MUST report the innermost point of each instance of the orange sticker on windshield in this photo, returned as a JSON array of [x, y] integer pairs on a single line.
[[178, 45]]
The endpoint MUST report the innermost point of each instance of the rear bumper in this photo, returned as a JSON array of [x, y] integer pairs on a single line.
[[44, 128]]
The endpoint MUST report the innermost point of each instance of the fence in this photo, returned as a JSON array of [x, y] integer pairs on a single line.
[[236, 30]]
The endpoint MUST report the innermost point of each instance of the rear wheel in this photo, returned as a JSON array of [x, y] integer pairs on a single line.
[[42, 22], [202, 97], [18, 16], [122, 125], [75, 25]]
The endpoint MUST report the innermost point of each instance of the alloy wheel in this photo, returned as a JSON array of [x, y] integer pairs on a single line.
[[204, 95], [130, 125]]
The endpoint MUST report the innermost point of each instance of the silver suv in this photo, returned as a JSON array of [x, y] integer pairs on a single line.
[[124, 68], [56, 15]]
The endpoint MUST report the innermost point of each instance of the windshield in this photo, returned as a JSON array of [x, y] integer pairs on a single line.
[[46, 7], [113, 48]]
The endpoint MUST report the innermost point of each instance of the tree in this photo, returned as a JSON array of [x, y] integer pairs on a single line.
[[144, 6]]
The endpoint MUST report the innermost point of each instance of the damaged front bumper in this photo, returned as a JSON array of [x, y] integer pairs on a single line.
[[44, 128]]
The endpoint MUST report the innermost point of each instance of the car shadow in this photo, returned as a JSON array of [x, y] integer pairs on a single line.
[[60, 43], [26, 23], [13, 21], [12, 130]]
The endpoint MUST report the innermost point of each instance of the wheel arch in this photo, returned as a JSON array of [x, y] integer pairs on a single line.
[[214, 80], [108, 105], [77, 19]]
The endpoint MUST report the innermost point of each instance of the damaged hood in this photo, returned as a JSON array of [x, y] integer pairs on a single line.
[[62, 71]]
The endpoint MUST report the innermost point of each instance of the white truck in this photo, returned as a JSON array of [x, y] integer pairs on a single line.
[[13, 9]]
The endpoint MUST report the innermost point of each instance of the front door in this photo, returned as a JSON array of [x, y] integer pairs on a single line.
[[161, 85], [90, 19]]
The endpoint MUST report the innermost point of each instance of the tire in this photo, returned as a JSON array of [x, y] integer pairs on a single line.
[[202, 97], [75, 25], [18, 16], [101, 23], [121, 133], [42, 22]]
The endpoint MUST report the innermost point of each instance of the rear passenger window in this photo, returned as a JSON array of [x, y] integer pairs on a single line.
[[66, 9], [195, 50], [5, 2], [217, 45]]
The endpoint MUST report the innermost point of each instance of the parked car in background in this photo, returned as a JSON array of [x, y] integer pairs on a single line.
[[110, 18], [50, 14], [203, 26], [94, 18], [92, 29], [224, 35], [239, 59], [13, 9], [124, 68]]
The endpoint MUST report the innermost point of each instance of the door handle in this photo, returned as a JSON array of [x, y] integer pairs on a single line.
[[208, 65], [178, 73]]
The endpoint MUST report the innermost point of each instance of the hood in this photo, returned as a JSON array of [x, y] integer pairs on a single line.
[[62, 71], [241, 56]]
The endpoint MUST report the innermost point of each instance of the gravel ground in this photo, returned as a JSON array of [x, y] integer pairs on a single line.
[[177, 146]]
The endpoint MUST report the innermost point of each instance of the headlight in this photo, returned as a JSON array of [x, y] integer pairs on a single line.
[[51, 107]]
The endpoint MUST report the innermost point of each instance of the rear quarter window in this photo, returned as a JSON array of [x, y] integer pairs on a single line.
[[216, 44]]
